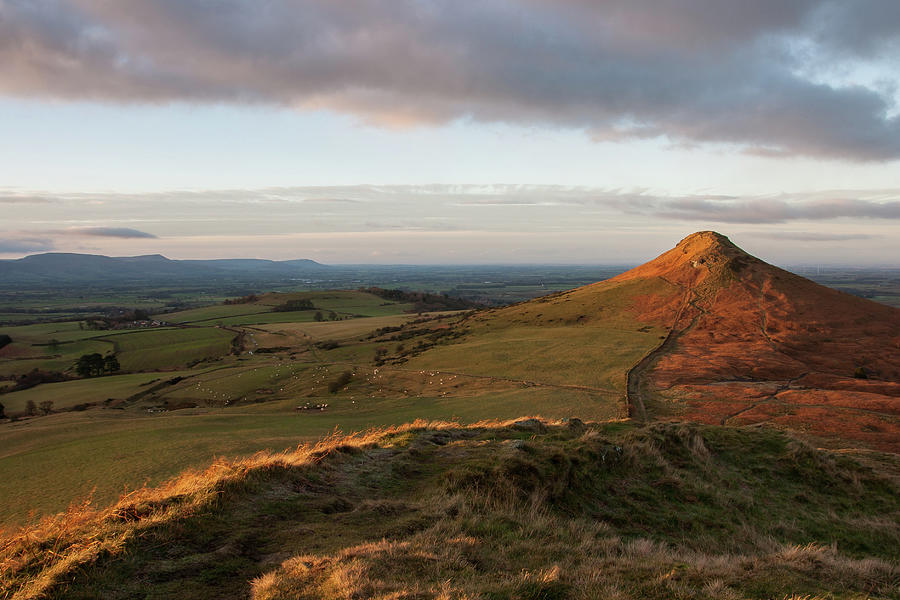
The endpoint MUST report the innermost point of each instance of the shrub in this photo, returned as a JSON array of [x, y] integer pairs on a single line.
[[294, 305], [37, 377], [340, 383], [94, 365]]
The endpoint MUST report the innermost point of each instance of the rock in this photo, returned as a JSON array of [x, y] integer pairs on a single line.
[[574, 424], [532, 425], [440, 438]]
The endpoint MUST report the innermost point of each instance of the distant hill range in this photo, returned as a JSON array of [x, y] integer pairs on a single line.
[[66, 268]]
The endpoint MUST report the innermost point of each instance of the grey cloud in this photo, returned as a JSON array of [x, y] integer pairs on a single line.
[[114, 232], [720, 71], [808, 236], [25, 245], [767, 210], [26, 199]]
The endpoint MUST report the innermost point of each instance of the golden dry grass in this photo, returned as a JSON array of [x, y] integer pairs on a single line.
[[498, 509]]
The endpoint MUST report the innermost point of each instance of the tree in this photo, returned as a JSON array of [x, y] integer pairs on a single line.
[[111, 364], [294, 305], [46, 407], [4, 340], [90, 365], [318, 316], [53, 346], [30, 408], [2, 411]]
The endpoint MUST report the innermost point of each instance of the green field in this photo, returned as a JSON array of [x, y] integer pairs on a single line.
[[80, 391], [137, 350], [344, 303], [216, 311], [168, 348], [338, 330], [559, 340], [249, 402], [105, 451], [18, 358], [43, 332]]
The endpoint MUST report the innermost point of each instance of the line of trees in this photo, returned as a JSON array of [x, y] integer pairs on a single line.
[[293, 305], [95, 365], [423, 301], [242, 300]]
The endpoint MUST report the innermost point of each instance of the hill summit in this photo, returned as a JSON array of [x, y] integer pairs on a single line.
[[700, 257]]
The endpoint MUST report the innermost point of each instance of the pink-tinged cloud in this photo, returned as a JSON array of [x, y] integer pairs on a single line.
[[753, 74]]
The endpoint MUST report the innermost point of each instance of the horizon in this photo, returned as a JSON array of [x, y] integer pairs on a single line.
[[626, 265]]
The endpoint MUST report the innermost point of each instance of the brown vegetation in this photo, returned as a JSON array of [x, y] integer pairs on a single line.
[[755, 343]]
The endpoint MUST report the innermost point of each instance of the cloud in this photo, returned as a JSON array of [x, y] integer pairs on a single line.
[[25, 245], [808, 236], [26, 199], [113, 232], [764, 210], [769, 76], [435, 207]]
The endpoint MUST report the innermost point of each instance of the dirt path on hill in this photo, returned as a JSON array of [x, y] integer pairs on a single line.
[[773, 397], [635, 402]]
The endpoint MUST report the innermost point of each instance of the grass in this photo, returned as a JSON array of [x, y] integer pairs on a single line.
[[211, 313], [71, 393], [586, 337], [300, 316], [444, 510], [339, 330], [44, 332], [146, 350], [428, 387], [494, 510], [137, 350], [239, 383], [100, 452], [21, 359], [343, 302]]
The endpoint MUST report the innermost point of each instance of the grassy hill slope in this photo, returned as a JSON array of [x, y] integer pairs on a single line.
[[704, 332], [494, 510]]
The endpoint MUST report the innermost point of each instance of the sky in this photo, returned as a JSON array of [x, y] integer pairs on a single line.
[[439, 131]]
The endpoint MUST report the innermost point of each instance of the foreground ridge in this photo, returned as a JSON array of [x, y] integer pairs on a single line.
[[517, 509]]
